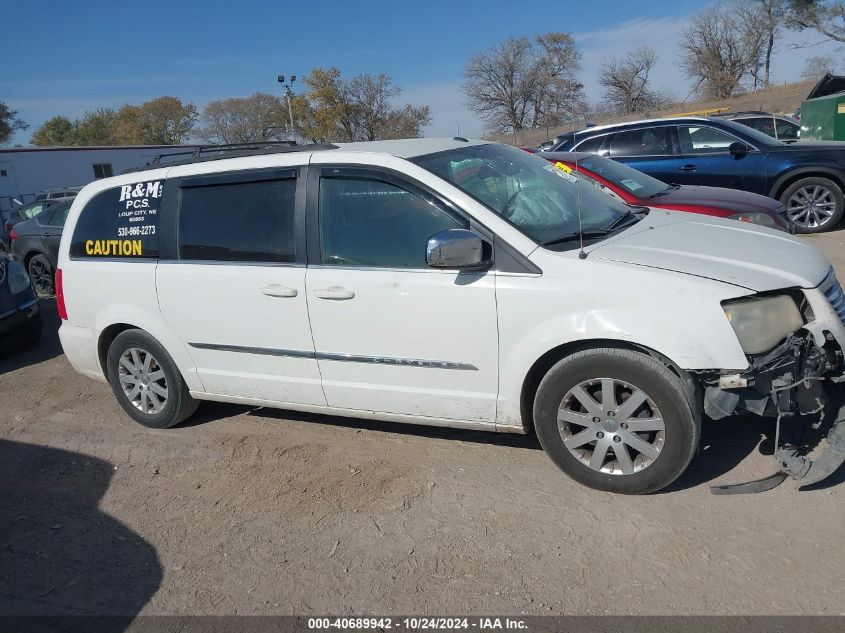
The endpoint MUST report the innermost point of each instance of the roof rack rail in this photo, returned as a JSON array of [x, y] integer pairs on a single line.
[[202, 153]]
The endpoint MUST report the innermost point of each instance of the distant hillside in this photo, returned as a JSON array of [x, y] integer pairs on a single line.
[[777, 99]]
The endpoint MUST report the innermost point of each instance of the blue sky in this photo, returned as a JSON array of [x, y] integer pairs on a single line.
[[111, 53]]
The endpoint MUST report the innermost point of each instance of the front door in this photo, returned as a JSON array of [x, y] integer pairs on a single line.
[[704, 159], [391, 334], [235, 294]]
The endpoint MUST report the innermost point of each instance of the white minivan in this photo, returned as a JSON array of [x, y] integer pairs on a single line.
[[453, 283]]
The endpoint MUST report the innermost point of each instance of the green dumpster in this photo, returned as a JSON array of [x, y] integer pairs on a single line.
[[823, 112]]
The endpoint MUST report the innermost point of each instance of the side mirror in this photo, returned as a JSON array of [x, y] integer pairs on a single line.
[[737, 149], [457, 248]]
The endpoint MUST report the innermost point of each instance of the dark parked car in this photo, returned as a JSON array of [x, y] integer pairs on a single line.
[[20, 319], [36, 244], [639, 189], [18, 215], [808, 177], [779, 126]]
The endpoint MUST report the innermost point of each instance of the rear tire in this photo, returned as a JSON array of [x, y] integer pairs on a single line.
[[42, 275], [146, 381], [813, 204], [636, 448]]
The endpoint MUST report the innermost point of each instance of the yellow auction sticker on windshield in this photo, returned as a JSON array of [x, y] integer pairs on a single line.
[[564, 167]]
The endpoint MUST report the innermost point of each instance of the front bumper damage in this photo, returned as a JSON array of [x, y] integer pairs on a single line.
[[800, 384]]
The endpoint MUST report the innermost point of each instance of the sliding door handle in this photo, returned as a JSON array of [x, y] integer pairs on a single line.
[[275, 290], [335, 293]]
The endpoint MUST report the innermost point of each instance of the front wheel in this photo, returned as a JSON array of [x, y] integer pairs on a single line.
[[813, 204], [146, 381], [616, 420]]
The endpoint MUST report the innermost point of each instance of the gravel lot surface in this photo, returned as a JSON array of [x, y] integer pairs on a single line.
[[256, 511]]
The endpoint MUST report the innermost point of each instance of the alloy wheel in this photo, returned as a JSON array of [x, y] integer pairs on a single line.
[[142, 380], [811, 206], [611, 426], [42, 276]]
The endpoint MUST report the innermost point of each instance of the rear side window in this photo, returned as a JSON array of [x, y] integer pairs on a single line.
[[644, 142], [120, 222], [238, 222]]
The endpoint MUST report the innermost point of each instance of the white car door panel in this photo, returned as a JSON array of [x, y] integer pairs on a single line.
[[409, 342], [236, 293]]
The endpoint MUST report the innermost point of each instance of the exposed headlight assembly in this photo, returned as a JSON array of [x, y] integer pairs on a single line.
[[761, 323], [18, 279], [763, 219]]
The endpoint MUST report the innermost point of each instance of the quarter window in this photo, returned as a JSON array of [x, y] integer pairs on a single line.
[[240, 222], [369, 222], [704, 140], [121, 222], [643, 142]]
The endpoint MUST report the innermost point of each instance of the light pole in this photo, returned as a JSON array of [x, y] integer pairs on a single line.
[[288, 93]]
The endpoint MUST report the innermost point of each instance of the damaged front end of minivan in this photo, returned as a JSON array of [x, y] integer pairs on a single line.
[[798, 381]]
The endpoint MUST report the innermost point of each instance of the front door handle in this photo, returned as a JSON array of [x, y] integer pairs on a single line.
[[335, 293], [44, 235], [688, 168], [275, 290]]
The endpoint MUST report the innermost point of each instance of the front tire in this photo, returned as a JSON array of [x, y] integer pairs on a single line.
[[616, 420], [814, 204], [146, 381]]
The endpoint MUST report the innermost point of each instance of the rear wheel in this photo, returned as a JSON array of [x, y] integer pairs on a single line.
[[616, 420], [146, 381], [813, 204], [41, 272]]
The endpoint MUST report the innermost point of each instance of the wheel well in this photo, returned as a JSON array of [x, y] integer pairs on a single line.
[[808, 174], [106, 337], [29, 256], [543, 364]]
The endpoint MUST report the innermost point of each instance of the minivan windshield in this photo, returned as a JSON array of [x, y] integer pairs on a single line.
[[539, 198]]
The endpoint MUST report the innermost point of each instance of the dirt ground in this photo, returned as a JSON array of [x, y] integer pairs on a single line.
[[256, 511]]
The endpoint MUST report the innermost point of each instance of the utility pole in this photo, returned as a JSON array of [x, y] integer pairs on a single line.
[[288, 94]]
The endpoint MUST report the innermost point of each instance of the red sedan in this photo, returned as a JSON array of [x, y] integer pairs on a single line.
[[635, 187]]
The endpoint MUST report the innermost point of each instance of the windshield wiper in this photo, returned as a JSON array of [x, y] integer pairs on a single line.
[[622, 220], [571, 237], [666, 191]]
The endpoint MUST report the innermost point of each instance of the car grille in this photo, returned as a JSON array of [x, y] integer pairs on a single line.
[[833, 291]]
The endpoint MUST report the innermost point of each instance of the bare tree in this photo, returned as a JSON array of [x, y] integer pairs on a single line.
[[554, 85], [498, 84], [626, 85], [719, 51], [825, 16], [762, 21], [520, 84], [261, 117], [818, 66]]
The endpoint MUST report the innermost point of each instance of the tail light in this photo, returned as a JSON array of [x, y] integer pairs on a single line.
[[60, 296], [12, 235]]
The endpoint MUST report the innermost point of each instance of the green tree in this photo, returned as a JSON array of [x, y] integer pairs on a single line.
[[9, 123], [97, 128], [826, 17], [58, 131]]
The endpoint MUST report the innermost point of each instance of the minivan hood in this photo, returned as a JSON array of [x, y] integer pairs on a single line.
[[733, 252]]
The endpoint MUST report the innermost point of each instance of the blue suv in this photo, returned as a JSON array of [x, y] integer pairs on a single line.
[[807, 177]]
